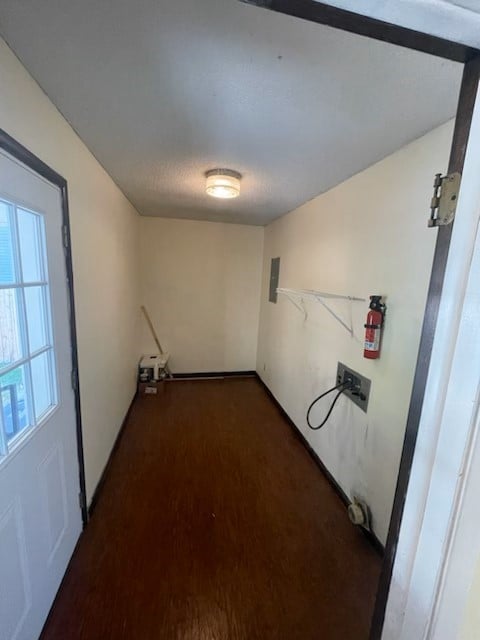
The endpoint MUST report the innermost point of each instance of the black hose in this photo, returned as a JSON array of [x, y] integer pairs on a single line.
[[343, 386]]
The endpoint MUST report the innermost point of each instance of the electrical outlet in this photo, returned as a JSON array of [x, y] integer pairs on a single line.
[[359, 392]]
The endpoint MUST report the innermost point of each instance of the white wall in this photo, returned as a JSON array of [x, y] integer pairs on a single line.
[[201, 285], [471, 622], [105, 255], [366, 236]]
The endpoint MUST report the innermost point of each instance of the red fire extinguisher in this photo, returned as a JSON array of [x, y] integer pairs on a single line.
[[373, 328]]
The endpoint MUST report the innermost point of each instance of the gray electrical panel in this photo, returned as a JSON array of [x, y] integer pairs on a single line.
[[274, 277]]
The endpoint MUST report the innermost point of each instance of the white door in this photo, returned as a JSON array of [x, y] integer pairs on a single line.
[[40, 517]]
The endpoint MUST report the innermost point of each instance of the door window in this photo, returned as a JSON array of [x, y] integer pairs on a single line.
[[28, 385]]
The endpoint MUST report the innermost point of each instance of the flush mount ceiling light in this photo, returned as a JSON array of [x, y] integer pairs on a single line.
[[223, 183]]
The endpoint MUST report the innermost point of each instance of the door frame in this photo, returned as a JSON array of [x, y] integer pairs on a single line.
[[369, 27], [30, 160]]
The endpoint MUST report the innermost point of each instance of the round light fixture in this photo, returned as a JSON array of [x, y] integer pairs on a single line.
[[223, 183]]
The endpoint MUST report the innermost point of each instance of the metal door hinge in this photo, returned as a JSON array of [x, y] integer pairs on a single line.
[[444, 200], [82, 502], [74, 379], [65, 236]]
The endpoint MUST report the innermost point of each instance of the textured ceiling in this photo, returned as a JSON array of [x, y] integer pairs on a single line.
[[457, 20], [473, 5], [162, 91]]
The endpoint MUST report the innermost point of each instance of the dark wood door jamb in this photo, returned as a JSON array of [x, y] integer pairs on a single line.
[[463, 121], [352, 22]]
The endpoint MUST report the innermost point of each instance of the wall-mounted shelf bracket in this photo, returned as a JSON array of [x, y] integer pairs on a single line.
[[298, 296]]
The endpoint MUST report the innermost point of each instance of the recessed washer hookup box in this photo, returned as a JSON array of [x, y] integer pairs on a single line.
[[359, 392]]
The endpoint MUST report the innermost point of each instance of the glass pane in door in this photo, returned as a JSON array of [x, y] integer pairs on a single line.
[[35, 303], [10, 329], [14, 402], [42, 384], [7, 264], [31, 246]]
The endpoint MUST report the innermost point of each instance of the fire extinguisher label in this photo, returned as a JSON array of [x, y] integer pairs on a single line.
[[372, 340]]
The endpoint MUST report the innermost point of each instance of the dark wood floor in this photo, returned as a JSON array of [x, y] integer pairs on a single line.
[[215, 524]]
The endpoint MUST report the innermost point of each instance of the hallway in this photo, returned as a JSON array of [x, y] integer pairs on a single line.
[[215, 524]]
